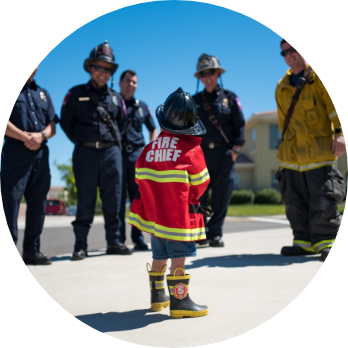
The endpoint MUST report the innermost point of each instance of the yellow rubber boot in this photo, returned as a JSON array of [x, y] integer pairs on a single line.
[[159, 299], [180, 303]]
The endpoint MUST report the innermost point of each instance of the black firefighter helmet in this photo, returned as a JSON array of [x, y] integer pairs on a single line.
[[178, 114], [104, 53]]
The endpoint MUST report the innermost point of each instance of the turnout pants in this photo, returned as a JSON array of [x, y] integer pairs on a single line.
[[25, 172], [311, 199], [92, 168], [221, 171]]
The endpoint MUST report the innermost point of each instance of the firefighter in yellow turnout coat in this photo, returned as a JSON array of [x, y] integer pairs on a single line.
[[309, 183]]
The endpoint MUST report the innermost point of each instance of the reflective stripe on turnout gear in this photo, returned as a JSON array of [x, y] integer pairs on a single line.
[[318, 247], [304, 245], [305, 167], [172, 176], [179, 234], [333, 114]]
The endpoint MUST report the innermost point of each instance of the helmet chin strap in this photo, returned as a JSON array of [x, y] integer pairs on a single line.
[[221, 82], [112, 81], [197, 86]]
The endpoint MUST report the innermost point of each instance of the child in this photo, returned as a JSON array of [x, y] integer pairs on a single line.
[[172, 175]]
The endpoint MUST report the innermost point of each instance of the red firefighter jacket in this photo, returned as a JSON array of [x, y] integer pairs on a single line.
[[171, 174]]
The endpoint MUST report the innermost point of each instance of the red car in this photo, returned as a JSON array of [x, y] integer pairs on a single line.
[[55, 207]]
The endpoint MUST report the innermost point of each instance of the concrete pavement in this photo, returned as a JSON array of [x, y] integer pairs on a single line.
[[244, 284]]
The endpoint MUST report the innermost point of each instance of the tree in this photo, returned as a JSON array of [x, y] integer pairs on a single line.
[[67, 174]]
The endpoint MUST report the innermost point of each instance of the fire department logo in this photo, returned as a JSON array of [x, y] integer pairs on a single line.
[[43, 96], [180, 291], [225, 102], [140, 112]]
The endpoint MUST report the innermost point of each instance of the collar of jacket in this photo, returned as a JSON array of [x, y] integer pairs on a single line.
[[214, 93], [31, 85], [183, 136], [285, 81], [104, 89]]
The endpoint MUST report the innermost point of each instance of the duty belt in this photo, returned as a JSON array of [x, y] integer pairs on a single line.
[[129, 148], [96, 144]]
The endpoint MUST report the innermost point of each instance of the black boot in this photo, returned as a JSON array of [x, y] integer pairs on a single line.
[[325, 253], [180, 303], [159, 299], [36, 258], [80, 250], [295, 250]]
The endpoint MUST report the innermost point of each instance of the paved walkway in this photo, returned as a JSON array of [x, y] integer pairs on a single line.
[[244, 284]]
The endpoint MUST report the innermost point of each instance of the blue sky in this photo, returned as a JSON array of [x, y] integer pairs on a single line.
[[162, 41]]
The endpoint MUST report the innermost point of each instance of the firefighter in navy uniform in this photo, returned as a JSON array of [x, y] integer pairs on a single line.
[[138, 113], [25, 168], [92, 117], [221, 113]]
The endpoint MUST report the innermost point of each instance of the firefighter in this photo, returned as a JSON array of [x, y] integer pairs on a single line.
[[310, 185], [172, 175]]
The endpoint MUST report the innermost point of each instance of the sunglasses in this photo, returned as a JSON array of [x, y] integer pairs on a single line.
[[102, 69], [286, 52], [207, 73]]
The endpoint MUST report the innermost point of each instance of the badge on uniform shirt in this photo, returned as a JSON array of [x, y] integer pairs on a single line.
[[140, 111], [225, 102], [43, 96], [114, 100]]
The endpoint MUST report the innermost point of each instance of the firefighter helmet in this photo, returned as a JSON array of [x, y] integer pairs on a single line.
[[104, 53], [178, 114], [207, 62]]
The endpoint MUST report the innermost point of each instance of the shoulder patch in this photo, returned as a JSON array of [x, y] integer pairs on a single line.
[[66, 98], [239, 104]]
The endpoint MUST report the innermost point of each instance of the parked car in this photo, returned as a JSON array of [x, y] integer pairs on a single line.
[[55, 207], [71, 210]]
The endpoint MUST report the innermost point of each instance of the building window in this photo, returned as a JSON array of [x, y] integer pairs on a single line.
[[275, 138], [236, 181], [274, 181], [253, 139]]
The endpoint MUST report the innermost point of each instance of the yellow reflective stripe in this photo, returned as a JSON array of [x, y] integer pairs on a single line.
[[304, 167], [333, 114], [162, 176], [318, 247], [199, 178], [304, 245], [159, 284], [180, 234]]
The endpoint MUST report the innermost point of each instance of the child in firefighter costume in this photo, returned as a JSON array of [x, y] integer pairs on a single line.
[[172, 175]]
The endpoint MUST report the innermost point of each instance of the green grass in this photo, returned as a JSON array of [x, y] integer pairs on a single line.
[[256, 209], [262, 209]]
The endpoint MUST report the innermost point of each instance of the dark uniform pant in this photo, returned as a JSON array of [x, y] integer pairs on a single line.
[[25, 172], [310, 200], [129, 160], [221, 171], [92, 168]]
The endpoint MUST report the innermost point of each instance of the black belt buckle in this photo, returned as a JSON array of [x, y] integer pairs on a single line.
[[129, 148]]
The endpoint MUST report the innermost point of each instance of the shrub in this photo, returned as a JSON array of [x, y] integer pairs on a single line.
[[268, 196], [242, 197]]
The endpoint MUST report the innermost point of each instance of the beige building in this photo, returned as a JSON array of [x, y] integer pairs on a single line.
[[257, 165], [55, 192]]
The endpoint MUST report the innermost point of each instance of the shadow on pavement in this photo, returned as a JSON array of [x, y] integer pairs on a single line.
[[68, 258], [246, 260], [122, 321]]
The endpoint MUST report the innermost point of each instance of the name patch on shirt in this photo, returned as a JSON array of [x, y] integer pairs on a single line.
[[163, 149], [83, 98]]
